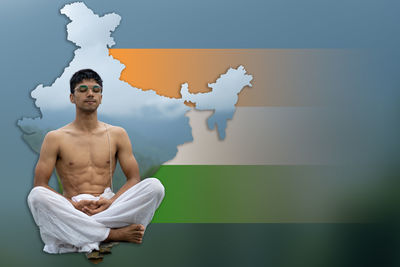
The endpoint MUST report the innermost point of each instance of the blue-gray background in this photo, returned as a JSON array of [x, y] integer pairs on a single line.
[[35, 50]]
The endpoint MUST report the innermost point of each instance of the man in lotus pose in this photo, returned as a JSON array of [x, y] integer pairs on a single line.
[[84, 153]]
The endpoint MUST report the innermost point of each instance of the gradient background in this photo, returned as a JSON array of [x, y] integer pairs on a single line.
[[355, 213]]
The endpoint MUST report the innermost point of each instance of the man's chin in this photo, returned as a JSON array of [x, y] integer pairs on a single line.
[[89, 109]]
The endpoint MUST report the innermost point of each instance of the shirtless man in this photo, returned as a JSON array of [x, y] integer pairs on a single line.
[[84, 154]]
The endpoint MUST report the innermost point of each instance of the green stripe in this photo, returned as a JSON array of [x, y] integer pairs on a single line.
[[264, 194]]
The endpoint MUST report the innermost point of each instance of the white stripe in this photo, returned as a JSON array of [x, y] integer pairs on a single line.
[[259, 136]]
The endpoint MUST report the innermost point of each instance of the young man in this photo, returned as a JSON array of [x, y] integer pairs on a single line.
[[84, 154]]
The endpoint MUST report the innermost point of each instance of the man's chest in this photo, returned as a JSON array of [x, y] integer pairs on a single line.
[[93, 151]]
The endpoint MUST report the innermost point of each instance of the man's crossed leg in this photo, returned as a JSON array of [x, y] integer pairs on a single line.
[[63, 228]]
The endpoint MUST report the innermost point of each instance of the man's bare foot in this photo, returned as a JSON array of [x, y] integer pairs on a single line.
[[132, 233]]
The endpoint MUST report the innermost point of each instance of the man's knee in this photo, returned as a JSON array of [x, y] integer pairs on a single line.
[[157, 189], [38, 196]]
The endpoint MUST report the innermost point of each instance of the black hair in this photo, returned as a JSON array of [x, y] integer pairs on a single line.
[[81, 75]]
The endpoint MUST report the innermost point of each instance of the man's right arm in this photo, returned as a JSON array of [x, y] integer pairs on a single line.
[[47, 160]]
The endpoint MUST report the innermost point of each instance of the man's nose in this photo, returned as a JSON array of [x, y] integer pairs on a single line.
[[89, 92]]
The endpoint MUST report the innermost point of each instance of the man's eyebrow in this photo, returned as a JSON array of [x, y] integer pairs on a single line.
[[94, 86]]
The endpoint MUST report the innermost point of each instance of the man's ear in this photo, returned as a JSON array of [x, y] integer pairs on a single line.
[[101, 97], [72, 98]]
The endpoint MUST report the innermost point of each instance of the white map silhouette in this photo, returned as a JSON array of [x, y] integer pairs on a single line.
[[156, 124], [222, 98]]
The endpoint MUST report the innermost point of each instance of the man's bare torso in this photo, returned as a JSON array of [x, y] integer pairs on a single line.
[[83, 159]]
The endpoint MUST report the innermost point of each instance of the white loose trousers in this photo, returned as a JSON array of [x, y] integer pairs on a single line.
[[65, 229]]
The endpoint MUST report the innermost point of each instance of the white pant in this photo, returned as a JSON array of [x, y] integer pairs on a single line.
[[65, 229]]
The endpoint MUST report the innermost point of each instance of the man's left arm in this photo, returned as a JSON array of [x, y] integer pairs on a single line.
[[129, 167], [127, 161]]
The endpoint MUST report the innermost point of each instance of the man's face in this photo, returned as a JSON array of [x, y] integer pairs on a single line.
[[87, 95]]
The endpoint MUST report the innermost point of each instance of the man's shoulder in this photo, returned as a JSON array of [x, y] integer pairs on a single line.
[[52, 139], [117, 133], [115, 130], [57, 134], [60, 131], [54, 134]]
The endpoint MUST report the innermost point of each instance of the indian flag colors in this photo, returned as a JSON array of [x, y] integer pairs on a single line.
[[278, 160]]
